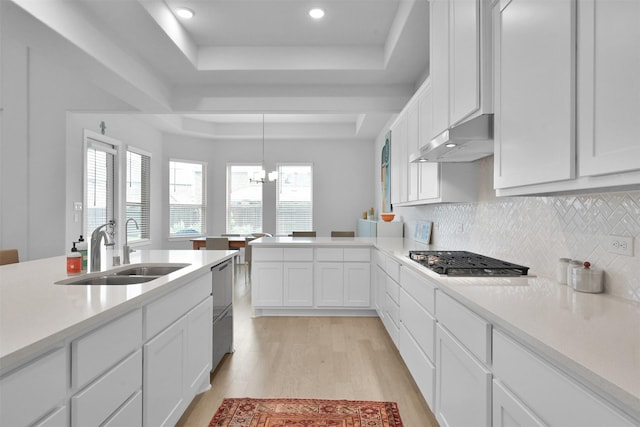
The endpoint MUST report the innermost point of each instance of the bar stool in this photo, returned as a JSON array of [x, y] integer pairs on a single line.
[[343, 234], [303, 234], [8, 256]]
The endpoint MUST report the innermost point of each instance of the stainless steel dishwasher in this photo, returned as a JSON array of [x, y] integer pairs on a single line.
[[222, 291]]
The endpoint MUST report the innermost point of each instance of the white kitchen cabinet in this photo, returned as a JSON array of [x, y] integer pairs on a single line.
[[463, 385], [413, 145], [267, 277], [399, 159], [534, 123], [439, 64], [342, 277], [59, 418], [130, 414], [199, 347], [298, 284], [470, 59], [357, 284], [547, 392], [608, 86], [329, 280], [428, 173], [508, 411], [43, 381], [420, 366]]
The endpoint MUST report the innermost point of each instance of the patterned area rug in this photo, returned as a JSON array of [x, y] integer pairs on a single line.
[[305, 413]]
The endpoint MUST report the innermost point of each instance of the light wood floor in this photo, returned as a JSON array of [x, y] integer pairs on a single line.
[[310, 357]]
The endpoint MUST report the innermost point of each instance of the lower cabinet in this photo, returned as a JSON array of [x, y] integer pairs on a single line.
[[509, 411], [463, 385], [176, 363], [422, 369], [343, 284], [282, 277]]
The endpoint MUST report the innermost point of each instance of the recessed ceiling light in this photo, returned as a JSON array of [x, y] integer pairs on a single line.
[[316, 13], [185, 13], [450, 145]]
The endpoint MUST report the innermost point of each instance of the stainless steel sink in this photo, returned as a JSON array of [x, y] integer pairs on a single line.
[[150, 270], [111, 279], [126, 275]]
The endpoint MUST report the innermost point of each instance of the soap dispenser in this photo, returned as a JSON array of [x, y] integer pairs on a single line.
[[74, 261]]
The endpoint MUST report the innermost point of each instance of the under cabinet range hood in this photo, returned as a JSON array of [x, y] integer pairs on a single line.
[[466, 142]]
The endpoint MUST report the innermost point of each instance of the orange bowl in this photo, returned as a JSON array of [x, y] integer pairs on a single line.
[[387, 216]]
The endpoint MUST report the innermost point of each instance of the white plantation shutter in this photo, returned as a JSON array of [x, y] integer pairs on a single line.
[[137, 190], [244, 200], [294, 198], [187, 201], [100, 184]]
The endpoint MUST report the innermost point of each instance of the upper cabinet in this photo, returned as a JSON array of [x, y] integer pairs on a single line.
[[567, 95], [608, 86], [439, 64]]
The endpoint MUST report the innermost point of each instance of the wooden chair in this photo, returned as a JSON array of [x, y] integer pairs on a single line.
[[217, 243], [256, 235], [230, 235], [8, 256], [247, 258], [343, 234], [303, 234]]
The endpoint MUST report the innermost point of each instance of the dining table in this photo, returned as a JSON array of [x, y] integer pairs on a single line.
[[235, 242]]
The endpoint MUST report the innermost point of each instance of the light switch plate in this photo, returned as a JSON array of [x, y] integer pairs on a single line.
[[621, 245]]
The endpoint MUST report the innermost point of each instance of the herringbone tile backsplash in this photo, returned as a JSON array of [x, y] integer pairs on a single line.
[[536, 231]]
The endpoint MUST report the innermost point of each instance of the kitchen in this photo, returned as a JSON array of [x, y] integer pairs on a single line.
[[533, 231]]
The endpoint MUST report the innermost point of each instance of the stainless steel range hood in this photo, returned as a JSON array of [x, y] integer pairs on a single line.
[[466, 142]]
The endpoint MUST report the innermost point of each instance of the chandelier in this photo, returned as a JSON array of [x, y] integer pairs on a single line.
[[259, 176]]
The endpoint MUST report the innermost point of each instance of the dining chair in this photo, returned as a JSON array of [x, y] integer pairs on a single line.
[[256, 235], [247, 258], [303, 234], [343, 234], [217, 243], [8, 256], [230, 235]]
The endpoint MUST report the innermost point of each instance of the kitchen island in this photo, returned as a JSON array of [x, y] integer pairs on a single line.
[[73, 354], [567, 358]]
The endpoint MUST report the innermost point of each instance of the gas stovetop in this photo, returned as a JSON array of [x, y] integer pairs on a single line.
[[469, 264]]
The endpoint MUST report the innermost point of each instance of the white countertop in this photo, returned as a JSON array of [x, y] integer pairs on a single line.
[[593, 337], [36, 313]]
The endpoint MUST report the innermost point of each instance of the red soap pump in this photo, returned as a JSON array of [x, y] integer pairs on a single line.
[[74, 261]]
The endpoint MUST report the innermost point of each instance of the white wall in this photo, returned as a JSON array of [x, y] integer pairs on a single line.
[[342, 179]]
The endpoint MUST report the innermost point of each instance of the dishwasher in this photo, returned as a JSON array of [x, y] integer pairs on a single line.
[[222, 291]]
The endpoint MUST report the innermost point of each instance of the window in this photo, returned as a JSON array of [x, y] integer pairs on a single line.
[[187, 201], [294, 198], [244, 200], [100, 169], [137, 194]]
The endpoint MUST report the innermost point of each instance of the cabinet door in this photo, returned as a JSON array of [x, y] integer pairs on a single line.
[[421, 368], [329, 282], [357, 284], [464, 55], [439, 63], [428, 173], [463, 385], [608, 86], [508, 411], [164, 377], [535, 79], [413, 145], [298, 284], [199, 347], [266, 284], [399, 160]]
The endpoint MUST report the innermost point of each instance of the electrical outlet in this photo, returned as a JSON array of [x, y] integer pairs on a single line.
[[460, 228], [621, 245]]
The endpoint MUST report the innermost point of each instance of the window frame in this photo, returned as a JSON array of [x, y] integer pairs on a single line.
[[279, 167], [173, 236], [228, 195], [144, 204]]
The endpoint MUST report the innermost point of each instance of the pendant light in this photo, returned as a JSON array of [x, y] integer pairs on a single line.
[[259, 177]]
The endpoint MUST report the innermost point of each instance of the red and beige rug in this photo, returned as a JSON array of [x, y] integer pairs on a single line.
[[249, 412]]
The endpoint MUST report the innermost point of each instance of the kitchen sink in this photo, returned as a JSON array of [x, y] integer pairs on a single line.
[[128, 275]]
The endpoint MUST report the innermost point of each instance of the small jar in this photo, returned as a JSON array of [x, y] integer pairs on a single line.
[[570, 276], [561, 271], [74, 263], [589, 280]]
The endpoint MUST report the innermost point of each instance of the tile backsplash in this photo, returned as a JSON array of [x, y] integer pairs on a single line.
[[536, 231]]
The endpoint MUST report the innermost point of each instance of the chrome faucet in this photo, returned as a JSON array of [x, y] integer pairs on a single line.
[[126, 250], [96, 236]]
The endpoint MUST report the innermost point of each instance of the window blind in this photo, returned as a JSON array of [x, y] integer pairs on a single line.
[[294, 198], [187, 200], [137, 183], [244, 200], [100, 185]]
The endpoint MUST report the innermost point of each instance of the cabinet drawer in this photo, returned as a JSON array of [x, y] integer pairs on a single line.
[[329, 254], [44, 381], [357, 254], [421, 368], [420, 288], [298, 254], [393, 310], [96, 403], [129, 415], [419, 323], [392, 268], [471, 330], [59, 418], [267, 254], [98, 351], [551, 394], [392, 289], [379, 258], [163, 312]]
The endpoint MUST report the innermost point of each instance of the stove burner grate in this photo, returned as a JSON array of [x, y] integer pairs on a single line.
[[463, 263]]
